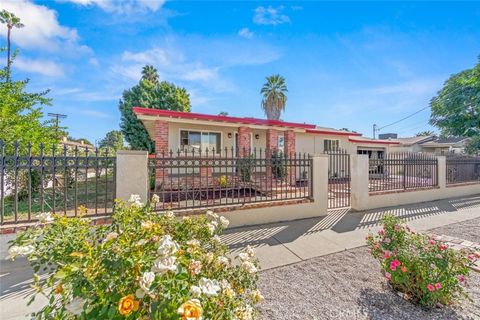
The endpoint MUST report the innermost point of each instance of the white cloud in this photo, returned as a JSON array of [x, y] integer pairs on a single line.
[[246, 33], [171, 65], [44, 67], [42, 29], [270, 16], [121, 6], [93, 62]]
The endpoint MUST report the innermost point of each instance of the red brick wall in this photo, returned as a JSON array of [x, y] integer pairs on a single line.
[[289, 142], [161, 148], [244, 136], [161, 136], [272, 141]]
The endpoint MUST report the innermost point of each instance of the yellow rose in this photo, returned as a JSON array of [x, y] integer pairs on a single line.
[[127, 304], [191, 310]]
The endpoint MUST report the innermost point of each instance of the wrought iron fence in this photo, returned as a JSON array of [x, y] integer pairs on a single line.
[[462, 168], [338, 178], [56, 179], [402, 171], [200, 179]]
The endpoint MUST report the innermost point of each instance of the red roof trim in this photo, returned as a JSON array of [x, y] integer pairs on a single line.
[[200, 116], [338, 133], [373, 141]]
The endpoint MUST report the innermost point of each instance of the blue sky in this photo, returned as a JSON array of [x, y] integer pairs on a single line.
[[347, 64]]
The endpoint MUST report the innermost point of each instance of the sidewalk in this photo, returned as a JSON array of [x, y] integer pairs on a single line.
[[276, 244], [280, 244]]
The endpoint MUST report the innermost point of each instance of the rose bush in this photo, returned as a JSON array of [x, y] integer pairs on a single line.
[[424, 270], [142, 266]]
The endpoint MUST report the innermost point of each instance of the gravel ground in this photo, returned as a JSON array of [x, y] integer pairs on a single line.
[[348, 285]]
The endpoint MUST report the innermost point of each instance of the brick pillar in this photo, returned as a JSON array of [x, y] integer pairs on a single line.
[[244, 136], [289, 140], [270, 148], [161, 150]]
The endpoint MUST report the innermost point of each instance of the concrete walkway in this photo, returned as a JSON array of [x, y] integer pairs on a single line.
[[277, 244], [280, 244]]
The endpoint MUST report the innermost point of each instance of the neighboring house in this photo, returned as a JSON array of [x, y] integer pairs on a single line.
[[411, 144], [431, 144], [447, 145], [173, 130], [71, 145]]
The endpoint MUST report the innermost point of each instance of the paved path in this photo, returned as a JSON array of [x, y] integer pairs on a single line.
[[280, 244], [277, 244]]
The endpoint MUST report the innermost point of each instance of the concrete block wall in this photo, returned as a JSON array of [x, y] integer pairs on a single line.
[[363, 200]]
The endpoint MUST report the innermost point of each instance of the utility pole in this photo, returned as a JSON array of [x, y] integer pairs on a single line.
[[374, 130], [57, 117]]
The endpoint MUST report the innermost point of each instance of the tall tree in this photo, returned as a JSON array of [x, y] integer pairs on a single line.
[[148, 94], [456, 107], [274, 96], [473, 146], [21, 116], [150, 73], [113, 140], [11, 21]]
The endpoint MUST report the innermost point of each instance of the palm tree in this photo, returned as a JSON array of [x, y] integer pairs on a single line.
[[11, 21], [150, 73], [274, 98]]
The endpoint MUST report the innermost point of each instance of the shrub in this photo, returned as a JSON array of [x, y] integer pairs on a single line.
[[142, 266], [245, 167], [426, 271], [279, 167]]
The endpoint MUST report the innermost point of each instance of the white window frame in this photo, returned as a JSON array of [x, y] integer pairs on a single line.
[[201, 131], [338, 146]]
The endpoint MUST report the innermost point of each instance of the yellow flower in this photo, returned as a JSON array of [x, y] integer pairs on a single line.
[[191, 310], [76, 254], [127, 304], [59, 288]]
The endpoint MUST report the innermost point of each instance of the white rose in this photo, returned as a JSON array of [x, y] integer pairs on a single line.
[[15, 251], [155, 199], [249, 250], [170, 214], [224, 222], [209, 287], [167, 246], [45, 217], [193, 243], [211, 215], [243, 256], [135, 200], [212, 226], [223, 260], [147, 280], [195, 291], [249, 267], [163, 265], [216, 238]]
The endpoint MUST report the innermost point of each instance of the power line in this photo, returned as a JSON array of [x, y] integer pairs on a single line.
[[409, 116], [376, 128]]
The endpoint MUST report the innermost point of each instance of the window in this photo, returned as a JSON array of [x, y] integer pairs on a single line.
[[331, 145], [196, 140]]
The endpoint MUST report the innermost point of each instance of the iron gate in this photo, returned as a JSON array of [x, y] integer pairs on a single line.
[[338, 179]]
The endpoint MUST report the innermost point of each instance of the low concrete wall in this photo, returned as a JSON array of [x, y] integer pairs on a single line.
[[363, 200], [132, 174]]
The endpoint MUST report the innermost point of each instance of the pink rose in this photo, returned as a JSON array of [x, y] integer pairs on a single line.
[[430, 287], [388, 276], [438, 286]]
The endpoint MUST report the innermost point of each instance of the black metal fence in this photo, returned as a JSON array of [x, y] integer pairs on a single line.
[[56, 179], [338, 179], [462, 168], [403, 171], [199, 179]]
